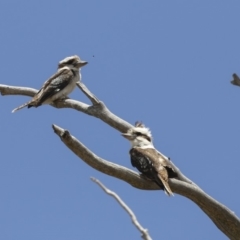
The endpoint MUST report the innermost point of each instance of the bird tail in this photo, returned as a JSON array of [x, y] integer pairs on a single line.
[[20, 107], [166, 187], [168, 192]]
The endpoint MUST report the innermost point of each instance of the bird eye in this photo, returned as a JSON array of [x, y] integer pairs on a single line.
[[138, 133], [70, 61]]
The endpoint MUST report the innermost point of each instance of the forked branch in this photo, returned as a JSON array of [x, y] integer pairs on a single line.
[[223, 217]]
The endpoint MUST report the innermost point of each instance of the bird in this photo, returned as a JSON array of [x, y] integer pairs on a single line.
[[59, 85], [150, 162]]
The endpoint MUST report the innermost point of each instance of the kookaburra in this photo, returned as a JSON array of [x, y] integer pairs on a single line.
[[59, 85], [147, 159]]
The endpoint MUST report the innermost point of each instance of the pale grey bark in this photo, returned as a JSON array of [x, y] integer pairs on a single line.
[[145, 235], [222, 217]]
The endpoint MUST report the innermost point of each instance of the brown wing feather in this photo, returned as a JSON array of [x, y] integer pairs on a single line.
[[156, 157], [41, 95], [46, 90], [57, 74], [160, 164]]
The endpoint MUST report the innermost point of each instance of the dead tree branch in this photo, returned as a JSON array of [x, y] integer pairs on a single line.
[[236, 80], [223, 217], [143, 231]]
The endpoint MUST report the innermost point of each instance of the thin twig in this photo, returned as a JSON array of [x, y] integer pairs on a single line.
[[143, 231]]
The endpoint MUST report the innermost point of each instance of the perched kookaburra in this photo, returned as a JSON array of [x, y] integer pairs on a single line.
[[147, 159], [59, 85]]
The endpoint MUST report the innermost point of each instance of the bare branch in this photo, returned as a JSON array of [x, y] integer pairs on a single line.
[[236, 80], [223, 217], [105, 166], [14, 90], [98, 110], [143, 231], [90, 96]]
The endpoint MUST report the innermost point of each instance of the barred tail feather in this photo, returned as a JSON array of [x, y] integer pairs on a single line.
[[166, 186], [169, 193], [20, 107], [168, 190]]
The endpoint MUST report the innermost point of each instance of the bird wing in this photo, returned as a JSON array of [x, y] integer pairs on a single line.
[[141, 162], [160, 167], [156, 158], [167, 164], [53, 85]]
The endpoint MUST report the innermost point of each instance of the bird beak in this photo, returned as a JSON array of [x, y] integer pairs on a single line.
[[82, 63], [127, 136]]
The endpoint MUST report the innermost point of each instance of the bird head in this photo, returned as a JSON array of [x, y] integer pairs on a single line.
[[139, 136], [73, 62]]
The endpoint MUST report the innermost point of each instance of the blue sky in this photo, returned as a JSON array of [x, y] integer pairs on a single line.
[[167, 64]]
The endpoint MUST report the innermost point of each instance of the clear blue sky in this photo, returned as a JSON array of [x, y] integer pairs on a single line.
[[167, 64]]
